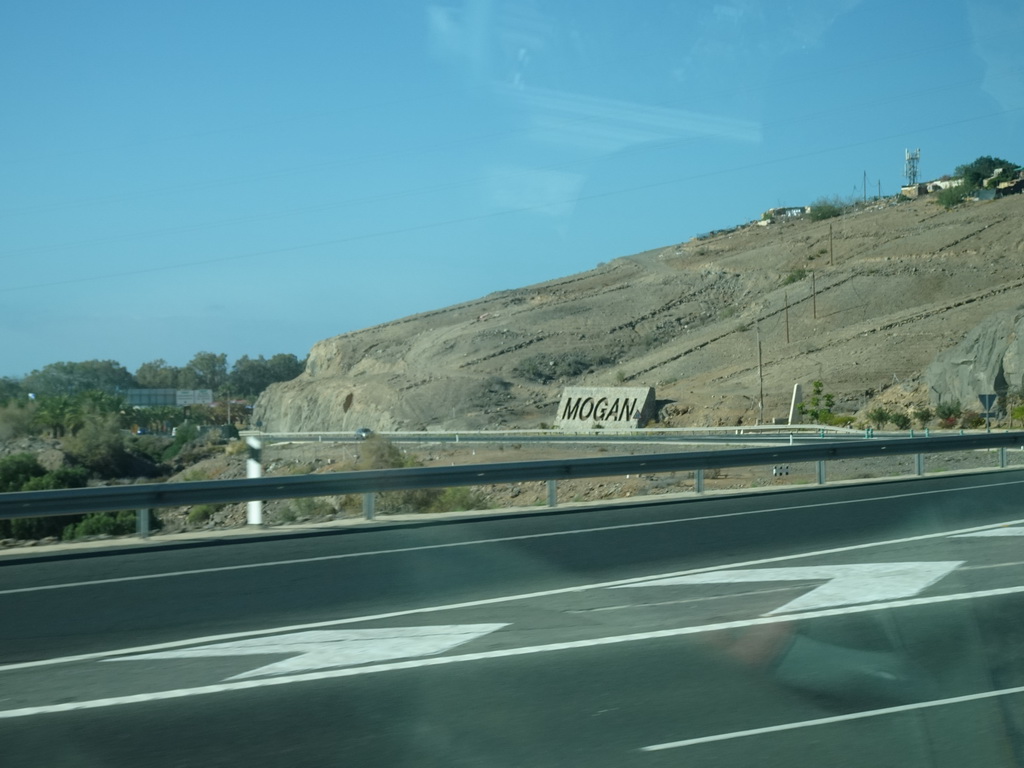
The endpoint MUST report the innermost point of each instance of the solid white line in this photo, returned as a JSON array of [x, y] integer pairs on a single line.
[[835, 719], [497, 654], [523, 537], [476, 603]]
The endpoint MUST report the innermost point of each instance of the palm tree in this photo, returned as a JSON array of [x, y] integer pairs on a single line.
[[53, 414]]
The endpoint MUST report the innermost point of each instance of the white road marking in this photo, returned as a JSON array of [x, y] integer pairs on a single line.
[[435, 661], [1001, 531], [846, 584], [834, 719], [503, 539], [327, 649], [476, 603]]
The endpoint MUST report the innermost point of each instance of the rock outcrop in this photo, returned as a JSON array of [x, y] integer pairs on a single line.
[[989, 360]]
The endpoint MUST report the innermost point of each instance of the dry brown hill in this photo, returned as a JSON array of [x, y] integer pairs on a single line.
[[903, 283]]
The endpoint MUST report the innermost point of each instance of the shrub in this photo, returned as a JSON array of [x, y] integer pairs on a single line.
[[377, 452], [121, 523], [795, 276], [200, 513], [922, 416], [879, 417], [826, 208], [307, 507], [185, 433], [21, 472], [16, 420], [971, 420], [545, 368], [900, 420], [99, 446], [17, 469], [818, 407], [1018, 414], [952, 196], [951, 410], [459, 500]]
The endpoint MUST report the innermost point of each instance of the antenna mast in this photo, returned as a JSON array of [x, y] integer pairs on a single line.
[[910, 166]]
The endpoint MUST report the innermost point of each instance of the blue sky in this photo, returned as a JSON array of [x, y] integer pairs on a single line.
[[253, 176]]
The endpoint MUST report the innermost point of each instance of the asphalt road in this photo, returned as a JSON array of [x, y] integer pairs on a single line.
[[870, 625]]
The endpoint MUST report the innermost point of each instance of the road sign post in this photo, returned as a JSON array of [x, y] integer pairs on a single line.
[[987, 402], [254, 468]]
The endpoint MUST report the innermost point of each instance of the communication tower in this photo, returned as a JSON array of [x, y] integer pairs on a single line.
[[910, 167]]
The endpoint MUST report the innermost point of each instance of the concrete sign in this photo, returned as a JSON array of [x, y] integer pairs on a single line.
[[608, 407]]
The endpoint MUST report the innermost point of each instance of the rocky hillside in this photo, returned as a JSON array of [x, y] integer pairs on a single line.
[[867, 309]]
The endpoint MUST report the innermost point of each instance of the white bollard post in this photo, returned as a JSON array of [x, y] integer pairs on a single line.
[[254, 468]]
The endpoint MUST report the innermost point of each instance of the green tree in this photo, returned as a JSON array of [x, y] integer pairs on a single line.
[[10, 389], [157, 374], [251, 376], [56, 414], [70, 378], [206, 370], [975, 173]]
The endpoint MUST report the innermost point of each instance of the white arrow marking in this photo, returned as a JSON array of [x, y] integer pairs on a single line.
[[845, 585], [324, 649], [1008, 531]]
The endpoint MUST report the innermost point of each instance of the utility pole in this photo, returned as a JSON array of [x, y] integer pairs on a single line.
[[814, 297], [865, 186], [760, 378], [786, 295]]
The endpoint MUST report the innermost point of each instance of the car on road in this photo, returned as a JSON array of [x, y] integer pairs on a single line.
[[363, 433]]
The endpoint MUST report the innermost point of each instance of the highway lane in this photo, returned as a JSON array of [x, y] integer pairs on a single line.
[[369, 571], [587, 697]]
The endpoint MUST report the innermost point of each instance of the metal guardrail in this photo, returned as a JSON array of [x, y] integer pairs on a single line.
[[369, 482]]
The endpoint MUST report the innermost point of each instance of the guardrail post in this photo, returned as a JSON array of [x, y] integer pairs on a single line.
[[919, 464], [552, 493], [821, 473], [142, 523], [698, 480], [254, 468], [1002, 457], [369, 505]]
